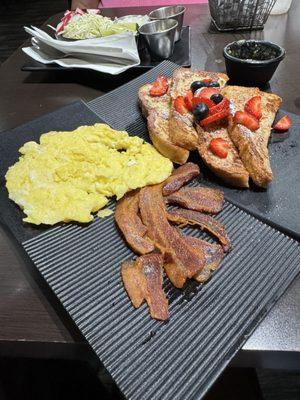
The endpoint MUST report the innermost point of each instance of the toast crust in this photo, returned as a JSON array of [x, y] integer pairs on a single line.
[[158, 128], [253, 146], [157, 112], [182, 131]]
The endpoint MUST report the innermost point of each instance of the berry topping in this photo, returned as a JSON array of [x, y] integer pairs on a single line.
[[188, 100], [253, 107], [216, 98], [243, 118], [213, 84], [207, 81], [200, 111], [208, 92], [205, 100], [179, 105], [197, 85], [225, 103], [219, 147], [283, 124], [159, 87], [215, 117]]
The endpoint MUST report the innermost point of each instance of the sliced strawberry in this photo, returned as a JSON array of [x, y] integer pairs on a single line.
[[219, 147], [283, 124], [179, 105], [225, 103], [207, 80], [207, 92], [208, 102], [162, 80], [157, 90], [215, 117], [243, 118], [188, 100], [159, 87], [253, 107]]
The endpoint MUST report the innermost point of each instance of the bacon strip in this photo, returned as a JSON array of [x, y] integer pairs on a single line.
[[198, 199], [130, 224], [181, 260], [143, 281], [206, 222], [213, 257], [180, 177]]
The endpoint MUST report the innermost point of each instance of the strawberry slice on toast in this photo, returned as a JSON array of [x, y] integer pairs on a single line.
[[185, 133], [250, 131], [156, 108], [182, 131]]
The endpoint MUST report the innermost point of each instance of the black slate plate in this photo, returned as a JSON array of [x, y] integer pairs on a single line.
[[181, 56], [278, 205], [179, 359]]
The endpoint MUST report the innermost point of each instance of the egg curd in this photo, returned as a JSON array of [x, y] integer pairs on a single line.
[[70, 175]]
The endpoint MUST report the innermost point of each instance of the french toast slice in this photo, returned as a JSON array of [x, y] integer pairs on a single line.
[[253, 145], [230, 169], [157, 112], [182, 131]]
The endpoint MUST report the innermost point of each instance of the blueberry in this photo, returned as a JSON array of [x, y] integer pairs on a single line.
[[213, 84], [216, 98], [200, 111], [197, 85]]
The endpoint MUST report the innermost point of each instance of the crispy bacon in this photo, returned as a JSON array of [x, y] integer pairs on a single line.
[[143, 281], [206, 222], [130, 224], [181, 260], [213, 257], [144, 221], [198, 199], [180, 177]]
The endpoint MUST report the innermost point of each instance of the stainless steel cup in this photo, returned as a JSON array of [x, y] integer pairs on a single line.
[[159, 37], [174, 12]]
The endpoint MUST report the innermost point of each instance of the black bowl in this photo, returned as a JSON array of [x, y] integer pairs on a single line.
[[252, 62]]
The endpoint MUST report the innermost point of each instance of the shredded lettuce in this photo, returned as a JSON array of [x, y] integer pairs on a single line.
[[87, 26]]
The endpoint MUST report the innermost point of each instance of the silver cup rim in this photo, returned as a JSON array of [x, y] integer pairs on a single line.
[[163, 8], [175, 24]]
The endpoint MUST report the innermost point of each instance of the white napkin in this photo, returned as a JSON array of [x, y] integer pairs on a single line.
[[111, 54]]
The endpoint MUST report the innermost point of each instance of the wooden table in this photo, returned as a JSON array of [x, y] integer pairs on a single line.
[[31, 322]]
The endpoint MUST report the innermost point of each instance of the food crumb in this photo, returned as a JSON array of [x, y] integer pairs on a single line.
[[104, 213]]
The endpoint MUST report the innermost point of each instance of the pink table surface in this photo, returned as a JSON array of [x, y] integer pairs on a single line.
[[138, 3]]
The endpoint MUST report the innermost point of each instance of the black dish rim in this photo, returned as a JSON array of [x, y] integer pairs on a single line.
[[255, 62]]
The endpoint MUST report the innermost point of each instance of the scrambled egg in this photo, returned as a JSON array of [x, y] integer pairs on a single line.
[[104, 213], [70, 175]]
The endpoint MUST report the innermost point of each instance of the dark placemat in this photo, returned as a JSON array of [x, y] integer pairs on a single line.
[[181, 56], [278, 205]]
